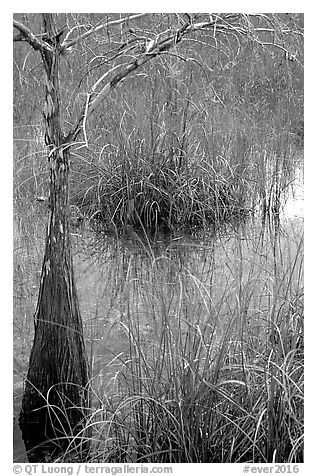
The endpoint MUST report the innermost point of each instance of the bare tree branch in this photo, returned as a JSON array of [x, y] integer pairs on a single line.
[[67, 44], [163, 42], [152, 49], [26, 35], [137, 50]]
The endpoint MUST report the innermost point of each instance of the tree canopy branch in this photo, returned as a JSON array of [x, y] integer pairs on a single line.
[[67, 44], [138, 50], [163, 42], [151, 50], [25, 34]]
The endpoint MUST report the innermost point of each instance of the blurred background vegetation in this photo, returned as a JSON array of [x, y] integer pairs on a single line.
[[192, 137]]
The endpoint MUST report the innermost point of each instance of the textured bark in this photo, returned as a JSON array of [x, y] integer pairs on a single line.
[[56, 391]]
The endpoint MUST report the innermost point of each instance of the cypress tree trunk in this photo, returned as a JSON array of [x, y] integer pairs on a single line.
[[56, 391]]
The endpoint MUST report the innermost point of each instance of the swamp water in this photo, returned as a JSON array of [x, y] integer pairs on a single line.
[[178, 298]]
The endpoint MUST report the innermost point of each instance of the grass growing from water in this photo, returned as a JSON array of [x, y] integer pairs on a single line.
[[196, 364], [199, 356], [161, 194], [196, 347], [220, 180], [179, 148]]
